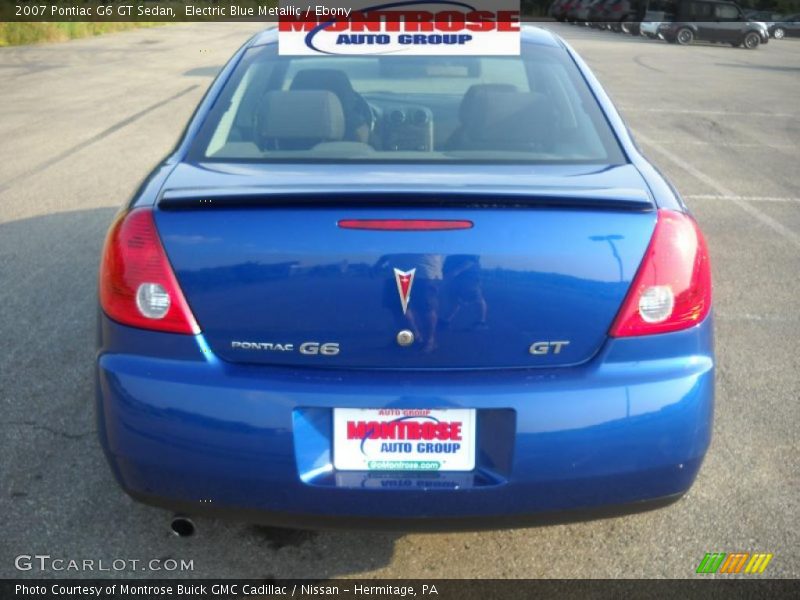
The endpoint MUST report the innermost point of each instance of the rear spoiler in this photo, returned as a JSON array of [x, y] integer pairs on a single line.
[[222, 198]]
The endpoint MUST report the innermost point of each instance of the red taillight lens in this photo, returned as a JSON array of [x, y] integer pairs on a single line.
[[137, 284], [672, 289]]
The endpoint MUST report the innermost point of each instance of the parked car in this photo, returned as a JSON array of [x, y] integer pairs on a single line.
[[555, 9], [785, 26], [769, 19], [649, 28], [377, 291], [622, 16], [584, 14], [765, 16], [714, 21], [576, 8], [597, 14], [658, 12], [560, 8]]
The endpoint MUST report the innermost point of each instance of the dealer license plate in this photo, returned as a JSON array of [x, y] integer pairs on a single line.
[[389, 439]]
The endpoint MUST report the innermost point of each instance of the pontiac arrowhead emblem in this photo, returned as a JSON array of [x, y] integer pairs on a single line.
[[404, 279]]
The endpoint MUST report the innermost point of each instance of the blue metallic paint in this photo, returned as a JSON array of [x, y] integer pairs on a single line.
[[544, 274], [181, 426], [632, 424]]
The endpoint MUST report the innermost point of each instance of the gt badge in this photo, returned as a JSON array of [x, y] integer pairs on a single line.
[[404, 279]]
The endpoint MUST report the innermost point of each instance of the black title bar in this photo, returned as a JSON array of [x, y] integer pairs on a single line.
[[434, 589]]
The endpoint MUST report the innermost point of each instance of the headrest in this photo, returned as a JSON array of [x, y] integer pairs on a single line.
[[467, 103], [508, 116], [331, 80], [301, 115]]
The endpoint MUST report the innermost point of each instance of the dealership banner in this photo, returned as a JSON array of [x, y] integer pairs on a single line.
[[406, 27]]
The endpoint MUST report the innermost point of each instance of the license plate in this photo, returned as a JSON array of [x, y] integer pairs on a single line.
[[388, 439]]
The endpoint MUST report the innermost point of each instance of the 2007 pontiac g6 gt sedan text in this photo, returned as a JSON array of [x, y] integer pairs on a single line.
[[394, 291]]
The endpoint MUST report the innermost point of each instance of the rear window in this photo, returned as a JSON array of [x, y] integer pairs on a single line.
[[530, 108]]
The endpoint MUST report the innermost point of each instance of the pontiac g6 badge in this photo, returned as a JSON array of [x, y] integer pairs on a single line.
[[307, 348], [404, 279]]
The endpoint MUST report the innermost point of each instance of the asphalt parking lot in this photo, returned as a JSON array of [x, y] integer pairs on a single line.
[[82, 122]]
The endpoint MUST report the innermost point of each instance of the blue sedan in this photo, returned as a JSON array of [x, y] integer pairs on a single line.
[[405, 292]]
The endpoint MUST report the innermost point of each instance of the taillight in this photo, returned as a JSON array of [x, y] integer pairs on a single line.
[[137, 284], [672, 289]]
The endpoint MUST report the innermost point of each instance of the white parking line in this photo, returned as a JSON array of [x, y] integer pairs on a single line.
[[754, 317], [722, 113], [766, 146], [743, 198], [733, 198]]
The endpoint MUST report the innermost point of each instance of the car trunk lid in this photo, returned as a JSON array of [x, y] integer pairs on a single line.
[[535, 280]]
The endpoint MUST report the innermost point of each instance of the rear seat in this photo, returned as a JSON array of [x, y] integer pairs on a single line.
[[299, 120], [496, 117]]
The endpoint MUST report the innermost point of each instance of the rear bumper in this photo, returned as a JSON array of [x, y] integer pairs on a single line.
[[405, 524], [186, 431], [650, 27]]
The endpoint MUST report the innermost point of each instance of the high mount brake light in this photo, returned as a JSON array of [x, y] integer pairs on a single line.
[[137, 284], [405, 224], [672, 289]]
